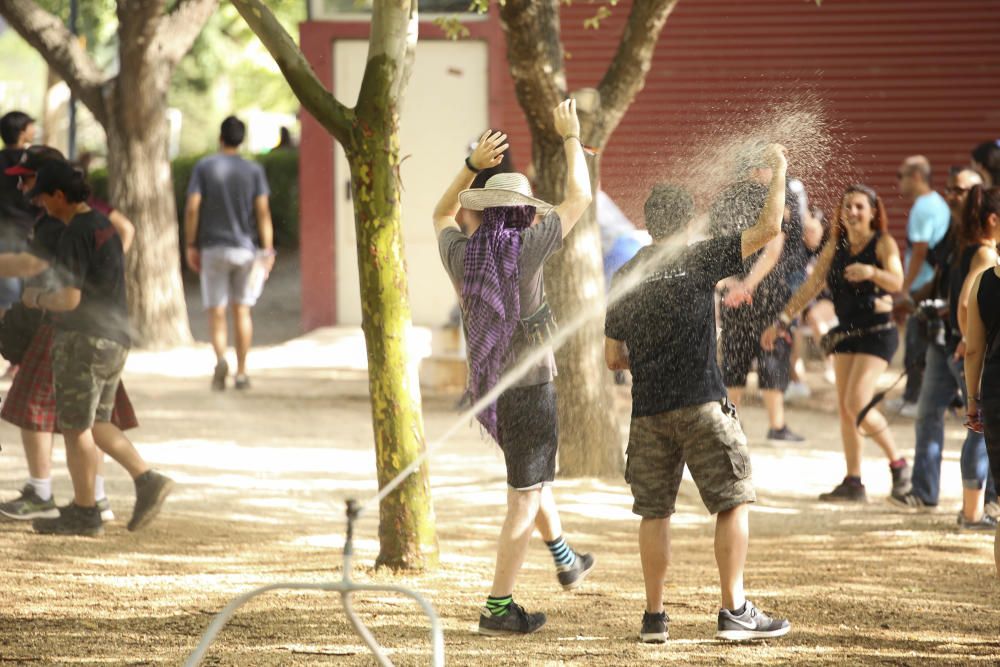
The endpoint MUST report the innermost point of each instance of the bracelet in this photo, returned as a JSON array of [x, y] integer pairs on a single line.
[[471, 167], [572, 136]]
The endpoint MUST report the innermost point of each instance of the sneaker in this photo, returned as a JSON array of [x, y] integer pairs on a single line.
[[783, 435], [909, 410], [910, 501], [29, 506], [571, 576], [654, 628], [797, 391], [72, 520], [992, 508], [220, 374], [151, 489], [845, 493], [901, 480], [104, 505], [985, 523], [514, 622], [242, 382], [750, 625]]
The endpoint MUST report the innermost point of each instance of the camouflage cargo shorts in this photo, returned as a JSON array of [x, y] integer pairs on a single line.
[[85, 371], [709, 439]]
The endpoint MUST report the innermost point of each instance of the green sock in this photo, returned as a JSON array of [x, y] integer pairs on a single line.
[[499, 606]]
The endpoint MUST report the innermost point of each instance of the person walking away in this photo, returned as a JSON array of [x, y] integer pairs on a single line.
[[17, 216], [498, 270], [926, 227], [860, 264], [229, 238], [664, 332], [88, 353]]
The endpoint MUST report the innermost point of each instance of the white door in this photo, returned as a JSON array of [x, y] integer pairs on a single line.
[[444, 108]]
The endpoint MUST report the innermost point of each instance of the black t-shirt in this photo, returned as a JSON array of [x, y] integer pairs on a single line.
[[736, 210], [668, 324], [90, 258], [17, 215]]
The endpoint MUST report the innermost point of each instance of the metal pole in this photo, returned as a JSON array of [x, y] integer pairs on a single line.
[[73, 16]]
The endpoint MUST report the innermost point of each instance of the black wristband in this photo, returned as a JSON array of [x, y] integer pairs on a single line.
[[471, 167]]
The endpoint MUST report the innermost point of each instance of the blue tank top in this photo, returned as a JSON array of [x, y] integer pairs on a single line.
[[855, 302]]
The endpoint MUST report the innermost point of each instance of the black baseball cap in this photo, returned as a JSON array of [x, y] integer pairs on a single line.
[[32, 159], [54, 175]]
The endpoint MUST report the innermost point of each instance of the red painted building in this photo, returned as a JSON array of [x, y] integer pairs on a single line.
[[896, 77]]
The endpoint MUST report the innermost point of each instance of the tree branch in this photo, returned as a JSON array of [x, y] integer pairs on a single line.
[[392, 45], [535, 56], [318, 101], [60, 49], [626, 75], [181, 28]]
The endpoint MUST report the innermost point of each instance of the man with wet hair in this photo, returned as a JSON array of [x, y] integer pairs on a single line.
[[663, 330], [753, 298]]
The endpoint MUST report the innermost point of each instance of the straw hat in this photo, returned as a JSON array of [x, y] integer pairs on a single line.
[[510, 189]]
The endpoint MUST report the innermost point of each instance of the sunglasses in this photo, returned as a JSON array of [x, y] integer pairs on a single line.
[[955, 190]]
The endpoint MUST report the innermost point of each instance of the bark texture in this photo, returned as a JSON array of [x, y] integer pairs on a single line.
[[370, 137], [132, 106], [590, 442]]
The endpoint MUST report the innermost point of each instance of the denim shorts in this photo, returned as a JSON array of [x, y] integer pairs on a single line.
[[529, 435], [226, 277]]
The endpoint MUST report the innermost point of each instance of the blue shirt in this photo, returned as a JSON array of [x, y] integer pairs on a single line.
[[228, 186], [929, 220]]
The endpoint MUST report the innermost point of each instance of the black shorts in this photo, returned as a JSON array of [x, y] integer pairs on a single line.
[[740, 346], [528, 426], [991, 422], [881, 344]]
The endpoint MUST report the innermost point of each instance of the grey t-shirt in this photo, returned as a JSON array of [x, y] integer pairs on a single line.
[[538, 242], [228, 186]]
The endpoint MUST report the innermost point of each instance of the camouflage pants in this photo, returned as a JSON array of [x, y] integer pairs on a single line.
[[85, 372], [709, 439]]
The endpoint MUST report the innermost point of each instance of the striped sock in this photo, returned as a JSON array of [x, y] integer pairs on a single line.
[[499, 606], [562, 554]]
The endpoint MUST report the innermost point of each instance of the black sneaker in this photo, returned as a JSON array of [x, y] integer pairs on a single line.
[[846, 493], [151, 489], [901, 480], [573, 575], [750, 625], [910, 501], [985, 523], [72, 520], [783, 434], [29, 506], [515, 622], [220, 374], [654, 628]]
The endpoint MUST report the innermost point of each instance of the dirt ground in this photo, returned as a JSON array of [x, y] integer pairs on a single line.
[[262, 477]]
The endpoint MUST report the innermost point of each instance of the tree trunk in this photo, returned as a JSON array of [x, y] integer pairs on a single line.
[[590, 439], [406, 527], [142, 188]]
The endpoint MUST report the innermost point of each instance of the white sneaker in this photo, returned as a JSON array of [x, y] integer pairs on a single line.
[[908, 410], [797, 390]]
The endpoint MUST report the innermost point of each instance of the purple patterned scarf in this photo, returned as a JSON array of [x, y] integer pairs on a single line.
[[492, 301]]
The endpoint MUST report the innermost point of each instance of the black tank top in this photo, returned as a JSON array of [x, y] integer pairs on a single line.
[[958, 271], [855, 302], [988, 299]]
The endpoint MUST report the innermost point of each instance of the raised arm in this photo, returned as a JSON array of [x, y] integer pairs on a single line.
[[488, 153], [578, 194], [769, 222]]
